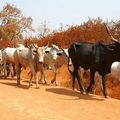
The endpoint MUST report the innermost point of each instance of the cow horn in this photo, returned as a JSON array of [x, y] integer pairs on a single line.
[[55, 46], [109, 33], [63, 51], [46, 46]]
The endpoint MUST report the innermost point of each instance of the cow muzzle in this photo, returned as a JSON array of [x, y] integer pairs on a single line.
[[41, 60]]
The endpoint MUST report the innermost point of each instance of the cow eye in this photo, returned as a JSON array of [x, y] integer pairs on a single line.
[[34, 51], [46, 51], [59, 54]]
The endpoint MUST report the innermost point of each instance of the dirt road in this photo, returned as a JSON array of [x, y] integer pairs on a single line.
[[53, 103]]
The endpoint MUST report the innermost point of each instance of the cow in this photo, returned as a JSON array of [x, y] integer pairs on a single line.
[[115, 69], [51, 61], [8, 60], [1, 61], [97, 57], [31, 57]]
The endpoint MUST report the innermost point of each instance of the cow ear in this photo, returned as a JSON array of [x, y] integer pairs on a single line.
[[28, 46], [2, 49]]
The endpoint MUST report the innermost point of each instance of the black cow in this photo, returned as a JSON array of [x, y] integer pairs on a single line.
[[81, 56], [97, 57]]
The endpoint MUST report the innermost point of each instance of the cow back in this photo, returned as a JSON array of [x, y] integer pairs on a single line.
[[81, 54], [8, 55]]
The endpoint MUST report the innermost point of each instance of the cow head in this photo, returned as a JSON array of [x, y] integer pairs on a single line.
[[33, 48], [41, 53], [53, 51]]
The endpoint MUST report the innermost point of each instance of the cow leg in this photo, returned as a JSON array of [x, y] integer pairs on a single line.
[[56, 83], [104, 85], [5, 70], [54, 79], [14, 71], [34, 73], [36, 79], [55, 74], [92, 81], [18, 71], [79, 79], [73, 79], [37, 85], [11, 69], [43, 75], [30, 82]]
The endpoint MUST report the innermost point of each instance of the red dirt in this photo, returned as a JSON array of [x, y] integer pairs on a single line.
[[53, 102]]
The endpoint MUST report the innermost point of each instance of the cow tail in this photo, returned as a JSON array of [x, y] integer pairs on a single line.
[[74, 48], [69, 65]]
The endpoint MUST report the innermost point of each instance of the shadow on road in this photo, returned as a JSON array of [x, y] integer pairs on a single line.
[[15, 85], [7, 78], [67, 92]]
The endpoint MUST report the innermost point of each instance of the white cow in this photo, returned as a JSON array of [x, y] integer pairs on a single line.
[[115, 69], [52, 60], [8, 58], [28, 57], [1, 61]]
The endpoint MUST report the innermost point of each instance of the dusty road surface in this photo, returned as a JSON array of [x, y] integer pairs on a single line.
[[53, 103]]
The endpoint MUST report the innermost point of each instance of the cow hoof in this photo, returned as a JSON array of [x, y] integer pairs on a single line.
[[44, 83], [52, 81], [107, 96], [40, 82], [30, 84], [56, 84], [73, 89], [82, 91], [18, 84], [87, 92], [37, 87]]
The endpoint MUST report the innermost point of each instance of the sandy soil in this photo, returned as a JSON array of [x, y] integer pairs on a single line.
[[53, 103]]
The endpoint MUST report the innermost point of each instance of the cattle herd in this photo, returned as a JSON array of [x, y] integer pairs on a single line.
[[97, 57]]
